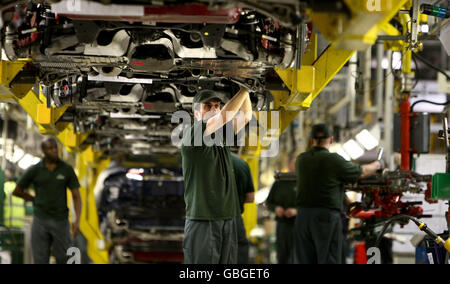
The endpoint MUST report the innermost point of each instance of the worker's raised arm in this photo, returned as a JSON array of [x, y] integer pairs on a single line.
[[227, 113], [244, 116], [19, 192], [370, 169]]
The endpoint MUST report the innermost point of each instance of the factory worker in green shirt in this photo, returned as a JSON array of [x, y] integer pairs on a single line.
[[50, 231], [211, 197], [320, 198]]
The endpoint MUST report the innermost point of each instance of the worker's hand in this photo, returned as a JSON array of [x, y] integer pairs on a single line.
[[75, 228], [382, 166], [279, 211], [290, 212]]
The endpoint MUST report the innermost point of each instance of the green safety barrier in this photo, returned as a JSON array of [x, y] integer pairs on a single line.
[[440, 186]]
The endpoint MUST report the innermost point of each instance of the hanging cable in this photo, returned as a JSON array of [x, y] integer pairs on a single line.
[[428, 102], [431, 65]]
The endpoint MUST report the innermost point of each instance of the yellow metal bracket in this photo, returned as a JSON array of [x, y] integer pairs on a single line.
[[300, 82], [8, 72], [39, 113], [70, 139], [47, 118], [359, 30], [306, 84]]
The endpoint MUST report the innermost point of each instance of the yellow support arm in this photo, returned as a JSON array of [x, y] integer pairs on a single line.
[[250, 215], [347, 35], [359, 30], [89, 166], [251, 156], [70, 139], [306, 84], [45, 118], [301, 83]]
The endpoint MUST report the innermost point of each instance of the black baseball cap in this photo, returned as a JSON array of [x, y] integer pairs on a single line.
[[205, 96], [320, 131]]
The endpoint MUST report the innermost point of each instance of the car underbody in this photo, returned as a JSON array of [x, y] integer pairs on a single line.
[[124, 68]]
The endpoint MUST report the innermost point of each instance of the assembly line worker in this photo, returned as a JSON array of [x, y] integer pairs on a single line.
[[320, 198], [210, 195], [246, 194], [51, 177], [281, 200]]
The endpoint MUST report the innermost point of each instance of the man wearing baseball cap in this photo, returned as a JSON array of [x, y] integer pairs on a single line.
[[210, 194], [320, 198]]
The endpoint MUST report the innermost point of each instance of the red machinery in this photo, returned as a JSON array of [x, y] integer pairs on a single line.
[[381, 195]]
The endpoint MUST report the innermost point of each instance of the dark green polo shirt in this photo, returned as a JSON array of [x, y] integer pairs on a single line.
[[320, 178], [244, 181], [282, 193], [209, 183], [50, 200]]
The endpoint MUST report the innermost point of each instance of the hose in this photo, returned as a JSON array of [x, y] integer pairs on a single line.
[[428, 102], [422, 226]]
